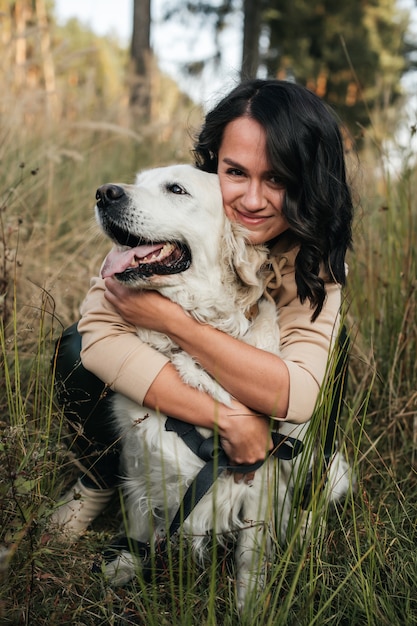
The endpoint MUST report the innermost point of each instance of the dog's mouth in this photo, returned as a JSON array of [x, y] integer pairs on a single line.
[[135, 257]]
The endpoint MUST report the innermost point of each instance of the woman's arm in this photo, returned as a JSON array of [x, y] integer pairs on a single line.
[[112, 350], [256, 378], [284, 387], [245, 435]]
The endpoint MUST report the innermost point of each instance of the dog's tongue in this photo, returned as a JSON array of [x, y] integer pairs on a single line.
[[117, 261]]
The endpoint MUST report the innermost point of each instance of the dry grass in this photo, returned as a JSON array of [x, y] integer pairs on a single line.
[[362, 571]]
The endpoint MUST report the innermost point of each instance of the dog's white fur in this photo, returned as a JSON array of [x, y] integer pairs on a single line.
[[219, 288]]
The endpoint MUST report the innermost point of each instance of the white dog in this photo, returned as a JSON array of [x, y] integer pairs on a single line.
[[171, 235]]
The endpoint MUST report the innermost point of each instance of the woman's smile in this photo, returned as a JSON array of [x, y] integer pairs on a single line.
[[251, 219]]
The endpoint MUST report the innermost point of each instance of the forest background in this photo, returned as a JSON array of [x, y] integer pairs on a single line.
[[78, 110]]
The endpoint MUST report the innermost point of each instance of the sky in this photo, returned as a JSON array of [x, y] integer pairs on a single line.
[[171, 43], [103, 16]]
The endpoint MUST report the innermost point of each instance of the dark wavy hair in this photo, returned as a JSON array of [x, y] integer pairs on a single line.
[[305, 149]]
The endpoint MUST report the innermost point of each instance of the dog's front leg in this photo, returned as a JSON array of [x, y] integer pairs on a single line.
[[130, 559], [122, 568], [253, 545], [131, 555], [252, 550]]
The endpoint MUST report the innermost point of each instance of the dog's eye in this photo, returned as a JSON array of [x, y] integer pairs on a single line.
[[176, 188]]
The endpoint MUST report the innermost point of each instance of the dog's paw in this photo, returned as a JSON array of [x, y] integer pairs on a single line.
[[340, 478], [122, 569], [307, 527]]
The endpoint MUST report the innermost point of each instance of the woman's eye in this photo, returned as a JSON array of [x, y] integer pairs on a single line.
[[233, 171], [277, 182], [176, 188]]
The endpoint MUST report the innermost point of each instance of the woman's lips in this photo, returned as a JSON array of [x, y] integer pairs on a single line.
[[253, 220]]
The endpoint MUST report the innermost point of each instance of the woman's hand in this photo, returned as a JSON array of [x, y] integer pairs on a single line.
[[147, 309], [245, 437]]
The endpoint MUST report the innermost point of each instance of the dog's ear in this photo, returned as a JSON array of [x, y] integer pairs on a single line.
[[247, 261]]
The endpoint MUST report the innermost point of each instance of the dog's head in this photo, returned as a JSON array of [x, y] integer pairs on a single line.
[[159, 224]]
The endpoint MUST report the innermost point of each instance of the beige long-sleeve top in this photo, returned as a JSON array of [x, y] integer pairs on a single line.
[[113, 352]]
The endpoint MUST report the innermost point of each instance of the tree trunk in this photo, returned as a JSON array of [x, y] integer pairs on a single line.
[[47, 60], [141, 58], [251, 32], [21, 43]]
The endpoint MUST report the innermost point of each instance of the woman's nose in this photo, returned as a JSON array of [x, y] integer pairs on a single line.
[[254, 197]]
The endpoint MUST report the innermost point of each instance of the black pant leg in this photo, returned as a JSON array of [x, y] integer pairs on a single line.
[[86, 403]]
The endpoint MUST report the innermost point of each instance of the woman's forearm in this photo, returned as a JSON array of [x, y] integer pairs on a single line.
[[245, 436], [169, 395], [256, 378]]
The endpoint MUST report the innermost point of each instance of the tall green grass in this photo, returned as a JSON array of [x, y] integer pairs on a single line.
[[362, 569]]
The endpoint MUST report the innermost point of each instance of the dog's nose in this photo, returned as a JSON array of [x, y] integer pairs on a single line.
[[108, 194]]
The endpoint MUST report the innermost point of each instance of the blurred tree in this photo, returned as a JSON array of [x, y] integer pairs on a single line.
[[252, 12], [197, 15], [66, 69], [19, 40], [353, 54], [91, 72], [47, 59], [141, 60]]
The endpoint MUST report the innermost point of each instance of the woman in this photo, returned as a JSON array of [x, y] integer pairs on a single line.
[[278, 152]]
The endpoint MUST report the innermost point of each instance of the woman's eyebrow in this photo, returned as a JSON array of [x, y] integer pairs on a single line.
[[229, 161], [238, 166]]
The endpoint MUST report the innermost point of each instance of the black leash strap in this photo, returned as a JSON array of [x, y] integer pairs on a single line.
[[216, 462], [206, 448], [285, 448], [340, 377]]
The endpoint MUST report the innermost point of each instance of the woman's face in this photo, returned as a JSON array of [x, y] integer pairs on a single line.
[[251, 194]]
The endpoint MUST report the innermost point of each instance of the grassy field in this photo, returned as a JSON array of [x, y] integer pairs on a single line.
[[362, 570]]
